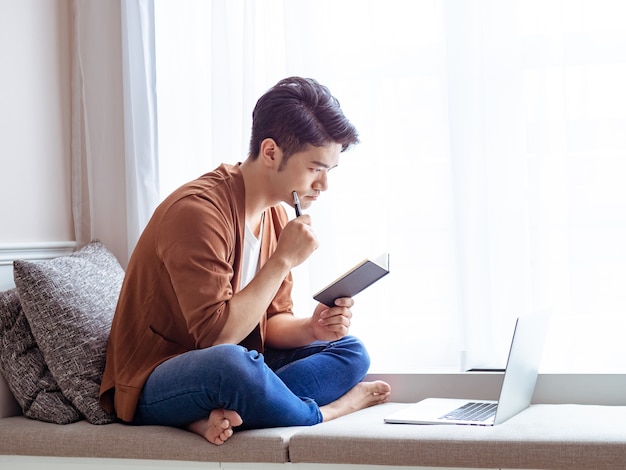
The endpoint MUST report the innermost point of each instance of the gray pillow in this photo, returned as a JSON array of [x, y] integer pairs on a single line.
[[69, 303], [24, 369]]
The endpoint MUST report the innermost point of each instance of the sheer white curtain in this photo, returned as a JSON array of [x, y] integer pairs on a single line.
[[114, 152], [540, 214], [114, 146], [140, 115], [97, 135], [213, 61], [490, 166]]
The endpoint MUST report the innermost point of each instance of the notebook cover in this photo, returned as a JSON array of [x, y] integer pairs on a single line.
[[361, 276]]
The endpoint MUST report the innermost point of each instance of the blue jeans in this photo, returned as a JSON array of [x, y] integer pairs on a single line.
[[278, 388]]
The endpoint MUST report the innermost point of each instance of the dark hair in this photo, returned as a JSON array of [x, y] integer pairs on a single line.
[[297, 112]]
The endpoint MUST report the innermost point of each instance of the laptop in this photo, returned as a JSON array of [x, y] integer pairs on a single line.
[[518, 385]]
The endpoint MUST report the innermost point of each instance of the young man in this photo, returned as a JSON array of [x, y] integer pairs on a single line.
[[204, 336]]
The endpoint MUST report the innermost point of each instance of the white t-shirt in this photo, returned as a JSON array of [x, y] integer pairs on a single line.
[[251, 254]]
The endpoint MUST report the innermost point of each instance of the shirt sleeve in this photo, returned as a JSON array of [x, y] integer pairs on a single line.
[[198, 243]]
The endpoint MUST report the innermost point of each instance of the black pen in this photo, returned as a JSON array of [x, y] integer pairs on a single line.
[[296, 204]]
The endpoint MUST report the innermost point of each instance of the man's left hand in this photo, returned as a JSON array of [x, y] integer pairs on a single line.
[[332, 323]]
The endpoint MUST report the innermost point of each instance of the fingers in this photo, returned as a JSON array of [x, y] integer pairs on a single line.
[[336, 319], [347, 302], [297, 241]]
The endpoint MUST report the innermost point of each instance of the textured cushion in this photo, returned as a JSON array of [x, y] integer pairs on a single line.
[[69, 303], [24, 369]]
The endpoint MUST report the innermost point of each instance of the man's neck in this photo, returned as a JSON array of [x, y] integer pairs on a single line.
[[257, 199]]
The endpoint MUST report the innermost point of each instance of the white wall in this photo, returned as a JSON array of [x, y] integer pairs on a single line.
[[35, 121]]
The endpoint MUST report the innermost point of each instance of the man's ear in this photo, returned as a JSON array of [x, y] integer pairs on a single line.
[[270, 153]]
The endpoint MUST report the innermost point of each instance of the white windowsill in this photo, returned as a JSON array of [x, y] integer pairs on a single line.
[[597, 389]]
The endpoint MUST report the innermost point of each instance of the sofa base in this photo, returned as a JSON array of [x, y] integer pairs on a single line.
[[541, 437]]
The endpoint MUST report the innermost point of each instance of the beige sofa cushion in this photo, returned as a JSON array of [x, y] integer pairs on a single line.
[[22, 436], [543, 436]]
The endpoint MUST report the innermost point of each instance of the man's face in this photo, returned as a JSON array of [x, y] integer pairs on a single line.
[[307, 173]]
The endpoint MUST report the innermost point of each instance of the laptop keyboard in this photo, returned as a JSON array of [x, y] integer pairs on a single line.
[[472, 412]]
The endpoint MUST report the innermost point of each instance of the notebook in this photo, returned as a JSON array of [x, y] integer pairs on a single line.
[[360, 277], [518, 385]]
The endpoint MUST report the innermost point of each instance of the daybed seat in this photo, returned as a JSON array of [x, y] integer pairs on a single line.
[[541, 437]]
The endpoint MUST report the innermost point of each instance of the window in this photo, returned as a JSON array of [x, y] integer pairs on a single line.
[[490, 167]]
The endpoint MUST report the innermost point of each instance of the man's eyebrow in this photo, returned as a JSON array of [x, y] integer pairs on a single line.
[[318, 163]]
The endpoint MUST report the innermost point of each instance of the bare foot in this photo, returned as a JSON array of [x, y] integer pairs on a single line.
[[218, 427], [362, 395]]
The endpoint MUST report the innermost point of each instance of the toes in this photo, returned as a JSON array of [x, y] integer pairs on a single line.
[[382, 387], [233, 418]]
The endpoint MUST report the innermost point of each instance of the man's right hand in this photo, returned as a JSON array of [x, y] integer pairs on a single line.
[[297, 241]]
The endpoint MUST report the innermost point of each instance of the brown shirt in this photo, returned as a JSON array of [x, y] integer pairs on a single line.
[[185, 268]]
